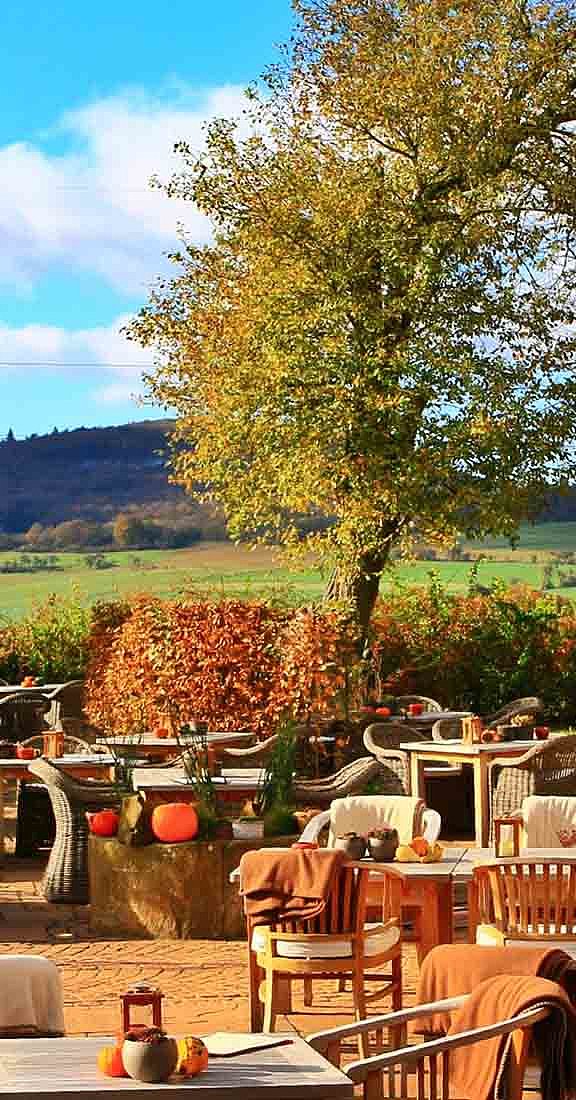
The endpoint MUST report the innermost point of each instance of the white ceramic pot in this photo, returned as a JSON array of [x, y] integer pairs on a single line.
[[248, 830]]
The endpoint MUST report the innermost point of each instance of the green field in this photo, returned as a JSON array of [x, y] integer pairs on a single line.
[[238, 571]]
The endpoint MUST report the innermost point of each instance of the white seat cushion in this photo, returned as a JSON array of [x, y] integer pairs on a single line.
[[487, 935], [31, 994], [335, 949]]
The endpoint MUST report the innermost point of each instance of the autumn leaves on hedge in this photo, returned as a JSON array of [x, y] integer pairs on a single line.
[[232, 664]]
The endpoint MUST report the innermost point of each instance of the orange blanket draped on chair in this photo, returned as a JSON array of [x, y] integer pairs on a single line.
[[292, 884]]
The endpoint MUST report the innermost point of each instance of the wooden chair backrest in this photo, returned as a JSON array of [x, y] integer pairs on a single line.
[[528, 898], [344, 911]]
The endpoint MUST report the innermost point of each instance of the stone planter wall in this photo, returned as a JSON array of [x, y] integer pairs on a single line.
[[169, 891]]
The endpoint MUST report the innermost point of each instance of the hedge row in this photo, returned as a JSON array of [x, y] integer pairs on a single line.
[[243, 664]]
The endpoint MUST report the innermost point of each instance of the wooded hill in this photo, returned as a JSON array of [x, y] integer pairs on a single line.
[[88, 473], [95, 473]]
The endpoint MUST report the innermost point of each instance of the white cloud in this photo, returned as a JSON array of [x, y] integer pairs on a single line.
[[103, 349], [91, 207]]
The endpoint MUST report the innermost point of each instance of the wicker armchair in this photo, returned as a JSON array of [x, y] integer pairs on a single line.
[[23, 713], [66, 704], [351, 779], [530, 707], [66, 876], [548, 768], [382, 740], [35, 825]]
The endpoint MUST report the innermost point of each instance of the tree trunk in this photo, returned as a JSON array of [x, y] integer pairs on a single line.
[[358, 587]]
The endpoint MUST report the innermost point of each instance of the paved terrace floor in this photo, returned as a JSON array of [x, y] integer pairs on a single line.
[[204, 981]]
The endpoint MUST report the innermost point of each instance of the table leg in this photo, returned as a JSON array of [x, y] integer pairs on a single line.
[[481, 801], [473, 917], [436, 919], [2, 823], [417, 776]]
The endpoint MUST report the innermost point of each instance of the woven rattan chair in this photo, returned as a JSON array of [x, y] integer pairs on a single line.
[[351, 779], [22, 714], [422, 1070], [383, 740], [548, 768], [66, 704], [528, 707], [66, 877], [35, 825]]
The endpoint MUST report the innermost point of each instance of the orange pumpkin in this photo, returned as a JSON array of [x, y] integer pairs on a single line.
[[192, 1056], [420, 845], [103, 823], [174, 822], [161, 732], [110, 1062]]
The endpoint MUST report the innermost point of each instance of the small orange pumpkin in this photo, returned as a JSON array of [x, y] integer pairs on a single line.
[[192, 1056], [103, 823], [420, 845], [174, 822], [110, 1062]]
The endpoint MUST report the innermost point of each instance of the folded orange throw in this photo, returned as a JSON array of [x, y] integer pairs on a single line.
[[477, 1071], [453, 969], [292, 884]]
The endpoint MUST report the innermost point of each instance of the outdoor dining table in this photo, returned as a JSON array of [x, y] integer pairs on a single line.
[[67, 1068], [425, 887], [428, 717], [81, 766], [479, 756], [147, 744], [233, 785]]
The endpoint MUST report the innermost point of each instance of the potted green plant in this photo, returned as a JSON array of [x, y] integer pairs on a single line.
[[382, 844], [352, 844]]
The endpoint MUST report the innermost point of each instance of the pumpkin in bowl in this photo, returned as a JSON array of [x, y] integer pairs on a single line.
[[174, 822]]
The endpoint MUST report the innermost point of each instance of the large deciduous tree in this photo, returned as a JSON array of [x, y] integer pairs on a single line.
[[382, 329]]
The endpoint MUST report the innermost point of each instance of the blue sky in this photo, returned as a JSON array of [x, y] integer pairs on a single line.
[[93, 101]]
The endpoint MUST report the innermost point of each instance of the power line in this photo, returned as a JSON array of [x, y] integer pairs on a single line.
[[113, 366]]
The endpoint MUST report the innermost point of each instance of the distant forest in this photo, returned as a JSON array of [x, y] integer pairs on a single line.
[[97, 487]]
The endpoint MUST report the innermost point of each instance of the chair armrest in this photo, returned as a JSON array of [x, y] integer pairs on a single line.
[[320, 1040], [360, 1070], [432, 823], [312, 830]]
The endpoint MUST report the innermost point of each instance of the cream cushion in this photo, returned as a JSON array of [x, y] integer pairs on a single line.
[[487, 935], [31, 994], [333, 949], [545, 816], [360, 813]]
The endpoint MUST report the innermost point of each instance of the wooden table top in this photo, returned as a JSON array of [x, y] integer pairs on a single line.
[[149, 740], [165, 779], [67, 1068], [75, 760], [458, 748], [440, 869]]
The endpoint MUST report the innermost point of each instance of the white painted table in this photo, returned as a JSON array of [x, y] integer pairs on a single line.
[[479, 757], [67, 1068], [18, 689]]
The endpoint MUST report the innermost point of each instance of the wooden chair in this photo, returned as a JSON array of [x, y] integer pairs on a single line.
[[548, 768], [338, 944], [526, 899], [422, 1070]]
